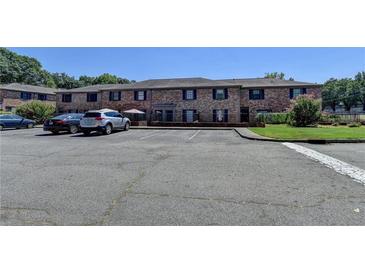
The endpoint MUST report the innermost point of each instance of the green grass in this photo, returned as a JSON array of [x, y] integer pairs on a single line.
[[321, 132]]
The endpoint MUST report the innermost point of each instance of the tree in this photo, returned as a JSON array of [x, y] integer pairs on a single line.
[[22, 69], [106, 78], [36, 110], [305, 112], [275, 75], [360, 79], [330, 96], [86, 80], [65, 81]]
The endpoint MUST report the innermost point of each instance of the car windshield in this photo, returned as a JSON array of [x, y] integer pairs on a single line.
[[92, 114], [63, 116]]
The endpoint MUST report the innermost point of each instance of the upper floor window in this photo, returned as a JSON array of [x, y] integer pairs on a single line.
[[115, 95], [189, 94], [140, 95], [42, 97], [26, 95], [92, 97], [295, 92], [256, 94], [220, 94], [67, 98]]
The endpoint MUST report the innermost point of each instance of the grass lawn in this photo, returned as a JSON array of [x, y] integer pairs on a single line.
[[321, 132]]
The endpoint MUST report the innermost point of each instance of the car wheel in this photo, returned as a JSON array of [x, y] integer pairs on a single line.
[[108, 129], [126, 126], [55, 131], [73, 129], [86, 132], [30, 125], [1, 127]]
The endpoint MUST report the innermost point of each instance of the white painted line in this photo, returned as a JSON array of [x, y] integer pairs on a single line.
[[196, 133], [341, 167]]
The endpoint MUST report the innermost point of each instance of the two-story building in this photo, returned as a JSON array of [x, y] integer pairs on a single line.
[[14, 94], [190, 99]]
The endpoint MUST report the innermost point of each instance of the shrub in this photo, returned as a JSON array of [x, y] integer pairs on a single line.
[[354, 125], [272, 118], [305, 112], [36, 110]]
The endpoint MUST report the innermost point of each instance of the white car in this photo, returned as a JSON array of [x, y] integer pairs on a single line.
[[104, 120]]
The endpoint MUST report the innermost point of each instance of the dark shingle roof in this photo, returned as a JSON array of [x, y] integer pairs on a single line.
[[28, 88], [176, 83]]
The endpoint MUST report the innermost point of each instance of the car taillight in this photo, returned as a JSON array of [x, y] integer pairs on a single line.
[[61, 122], [99, 118]]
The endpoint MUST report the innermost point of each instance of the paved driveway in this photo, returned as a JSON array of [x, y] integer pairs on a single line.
[[173, 177]]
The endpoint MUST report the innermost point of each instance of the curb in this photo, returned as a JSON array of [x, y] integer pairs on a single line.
[[310, 141], [183, 128]]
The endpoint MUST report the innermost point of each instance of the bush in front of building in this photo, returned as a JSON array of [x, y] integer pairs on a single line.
[[306, 111], [36, 110], [272, 118]]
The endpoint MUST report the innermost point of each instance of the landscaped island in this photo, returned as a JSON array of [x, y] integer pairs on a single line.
[[321, 132]]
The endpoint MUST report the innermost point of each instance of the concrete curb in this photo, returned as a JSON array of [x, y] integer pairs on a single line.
[[183, 128], [310, 141]]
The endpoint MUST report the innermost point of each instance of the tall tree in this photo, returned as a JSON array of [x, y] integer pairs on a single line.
[[330, 96], [65, 81], [360, 79]]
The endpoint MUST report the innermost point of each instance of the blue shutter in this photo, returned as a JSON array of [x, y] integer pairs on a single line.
[[119, 95], [226, 93], [135, 95], [110, 96], [225, 119], [214, 115], [145, 95], [214, 94], [304, 91], [184, 115], [262, 94], [291, 94], [194, 94], [250, 94], [184, 94]]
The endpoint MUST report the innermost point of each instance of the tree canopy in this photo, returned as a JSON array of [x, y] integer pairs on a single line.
[[277, 75], [15, 68]]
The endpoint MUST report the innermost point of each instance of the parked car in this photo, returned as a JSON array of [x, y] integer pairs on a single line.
[[69, 122], [104, 120], [15, 121]]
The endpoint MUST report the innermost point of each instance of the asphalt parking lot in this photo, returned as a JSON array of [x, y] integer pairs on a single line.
[[173, 177]]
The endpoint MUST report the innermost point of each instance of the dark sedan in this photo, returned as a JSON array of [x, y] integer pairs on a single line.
[[15, 121], [69, 122]]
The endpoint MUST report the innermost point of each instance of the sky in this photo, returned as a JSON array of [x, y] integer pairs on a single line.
[[303, 64]]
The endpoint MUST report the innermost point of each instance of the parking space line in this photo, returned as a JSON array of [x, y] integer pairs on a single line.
[[357, 174], [196, 133]]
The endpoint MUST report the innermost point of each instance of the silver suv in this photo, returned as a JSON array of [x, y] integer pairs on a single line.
[[103, 120]]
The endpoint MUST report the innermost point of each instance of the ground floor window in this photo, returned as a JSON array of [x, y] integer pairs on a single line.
[[189, 115], [220, 115], [42, 97]]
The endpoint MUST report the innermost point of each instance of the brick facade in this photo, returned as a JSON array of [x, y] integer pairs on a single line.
[[11, 99], [276, 99]]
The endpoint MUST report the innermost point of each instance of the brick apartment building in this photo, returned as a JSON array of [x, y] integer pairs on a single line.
[[13, 95], [190, 99]]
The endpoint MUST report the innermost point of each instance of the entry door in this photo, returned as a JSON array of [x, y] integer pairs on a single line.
[[169, 115], [245, 114]]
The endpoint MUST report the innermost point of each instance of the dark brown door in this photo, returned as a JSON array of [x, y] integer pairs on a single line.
[[245, 114]]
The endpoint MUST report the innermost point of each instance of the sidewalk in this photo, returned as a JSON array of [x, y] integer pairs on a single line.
[[181, 128]]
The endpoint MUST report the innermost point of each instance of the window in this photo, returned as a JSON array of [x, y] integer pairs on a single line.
[[66, 98], [92, 114], [42, 97], [220, 94], [92, 97], [25, 95], [220, 115], [115, 96], [295, 92], [140, 95], [189, 115], [189, 94], [256, 94]]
